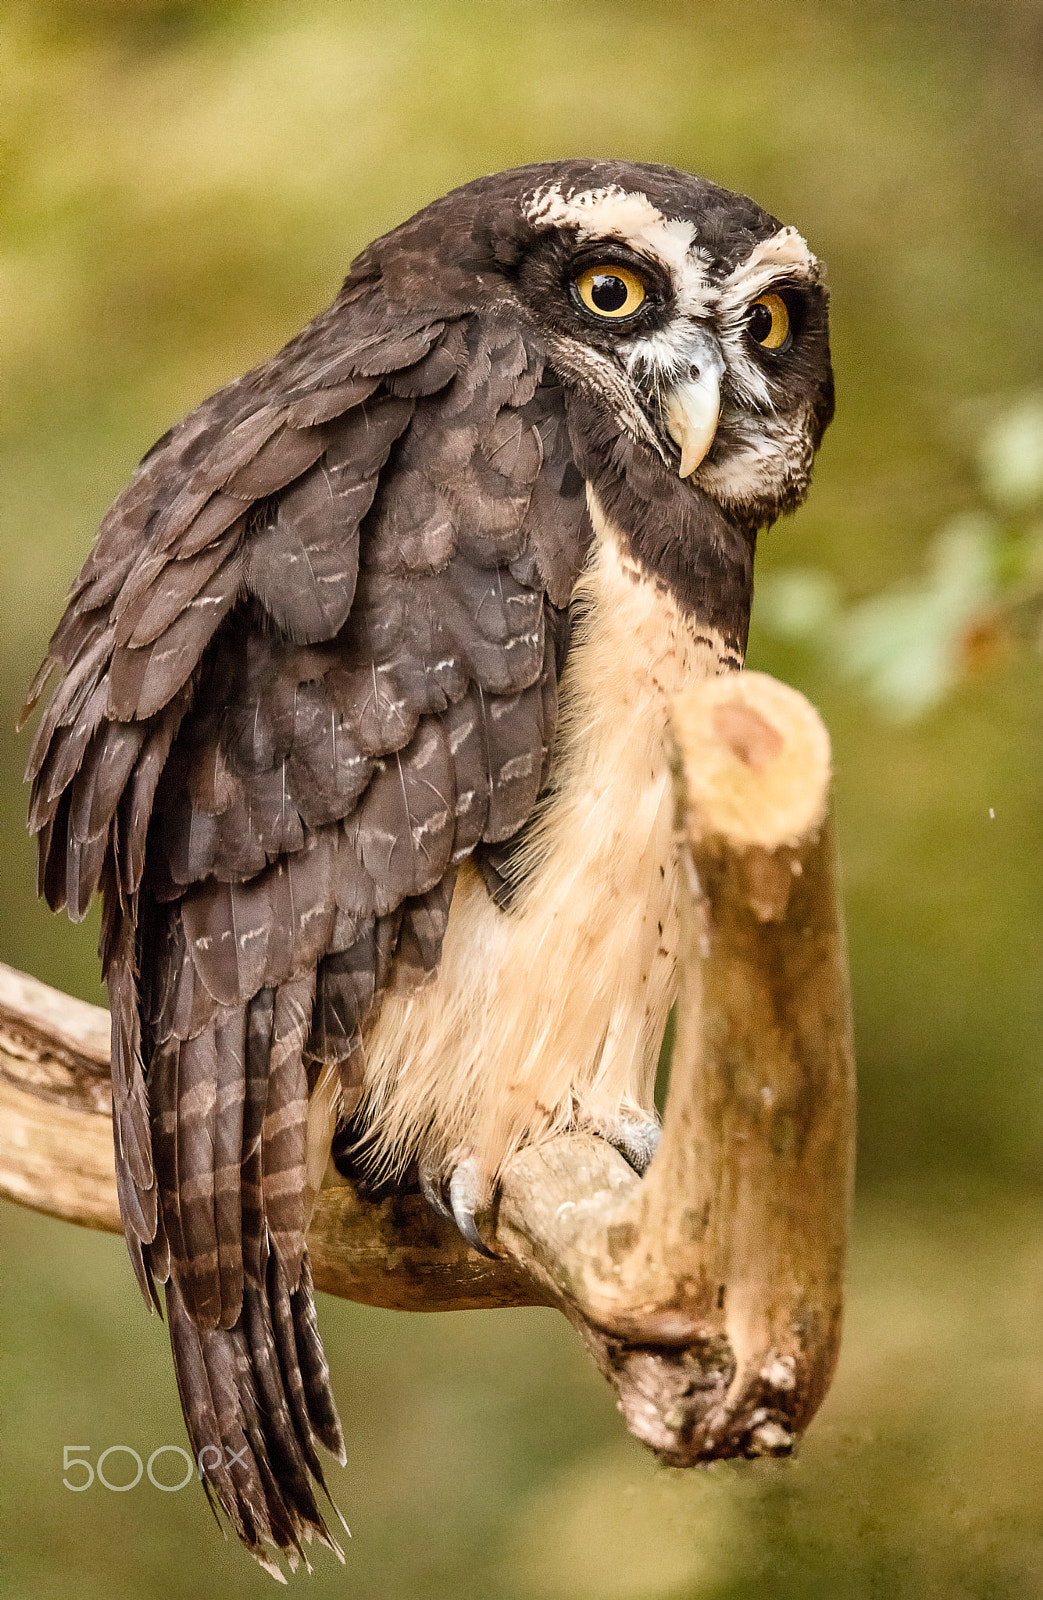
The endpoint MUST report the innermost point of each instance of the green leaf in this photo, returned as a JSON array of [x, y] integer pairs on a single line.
[[906, 644], [1011, 456]]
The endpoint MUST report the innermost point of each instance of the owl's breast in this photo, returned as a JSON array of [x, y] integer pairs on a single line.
[[553, 1011]]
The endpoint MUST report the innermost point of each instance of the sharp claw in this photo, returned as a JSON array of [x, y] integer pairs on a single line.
[[464, 1195], [431, 1189]]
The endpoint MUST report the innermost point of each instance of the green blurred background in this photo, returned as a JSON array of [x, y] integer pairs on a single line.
[[186, 186]]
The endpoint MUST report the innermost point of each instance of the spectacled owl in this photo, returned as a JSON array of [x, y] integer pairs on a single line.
[[360, 737]]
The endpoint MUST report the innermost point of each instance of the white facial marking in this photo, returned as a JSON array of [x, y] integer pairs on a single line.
[[613, 213], [765, 460], [784, 257], [771, 460]]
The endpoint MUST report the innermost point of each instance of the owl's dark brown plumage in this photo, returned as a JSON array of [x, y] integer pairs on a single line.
[[312, 667]]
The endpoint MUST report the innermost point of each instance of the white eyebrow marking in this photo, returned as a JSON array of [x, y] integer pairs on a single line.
[[629, 215], [784, 255]]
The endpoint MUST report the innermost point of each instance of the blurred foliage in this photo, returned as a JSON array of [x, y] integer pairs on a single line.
[[186, 183], [983, 590]]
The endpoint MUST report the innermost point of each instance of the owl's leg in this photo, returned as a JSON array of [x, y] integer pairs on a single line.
[[457, 1199]]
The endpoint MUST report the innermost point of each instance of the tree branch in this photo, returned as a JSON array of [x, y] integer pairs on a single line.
[[708, 1292]]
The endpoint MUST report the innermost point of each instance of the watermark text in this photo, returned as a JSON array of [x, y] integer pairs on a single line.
[[120, 1467]]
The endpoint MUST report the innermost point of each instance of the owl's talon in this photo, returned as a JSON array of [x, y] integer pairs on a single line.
[[465, 1196], [431, 1189]]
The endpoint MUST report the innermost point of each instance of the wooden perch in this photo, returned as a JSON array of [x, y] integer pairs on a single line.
[[708, 1292]]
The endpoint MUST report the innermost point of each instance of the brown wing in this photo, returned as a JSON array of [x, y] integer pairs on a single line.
[[310, 665]]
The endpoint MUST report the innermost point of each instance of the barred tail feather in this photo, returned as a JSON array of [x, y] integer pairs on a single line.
[[229, 1116], [250, 1422], [314, 1368], [303, 1360]]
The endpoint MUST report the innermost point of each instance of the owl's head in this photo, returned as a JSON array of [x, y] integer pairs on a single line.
[[692, 324]]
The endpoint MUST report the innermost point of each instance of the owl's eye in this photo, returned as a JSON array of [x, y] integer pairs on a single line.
[[768, 322], [610, 291]]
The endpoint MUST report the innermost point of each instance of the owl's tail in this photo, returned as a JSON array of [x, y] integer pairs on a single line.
[[256, 1398], [229, 1103]]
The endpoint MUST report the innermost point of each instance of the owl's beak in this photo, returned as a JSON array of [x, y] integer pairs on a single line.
[[691, 408]]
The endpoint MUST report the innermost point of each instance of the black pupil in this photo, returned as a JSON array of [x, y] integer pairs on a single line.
[[760, 323], [608, 292]]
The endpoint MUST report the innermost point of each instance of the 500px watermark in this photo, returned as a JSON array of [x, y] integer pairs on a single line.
[[76, 1456]]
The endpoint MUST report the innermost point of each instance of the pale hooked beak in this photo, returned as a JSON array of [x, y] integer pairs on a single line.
[[691, 408]]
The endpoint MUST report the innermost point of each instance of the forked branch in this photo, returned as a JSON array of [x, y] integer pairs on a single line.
[[709, 1292]]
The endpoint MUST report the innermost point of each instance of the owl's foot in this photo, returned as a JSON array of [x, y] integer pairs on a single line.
[[636, 1138], [457, 1199]]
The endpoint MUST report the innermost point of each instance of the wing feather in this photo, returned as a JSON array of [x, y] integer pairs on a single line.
[[149, 607], [227, 1163], [310, 666], [193, 1108], [284, 1130]]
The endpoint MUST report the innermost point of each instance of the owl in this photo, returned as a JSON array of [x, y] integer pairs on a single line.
[[360, 736]]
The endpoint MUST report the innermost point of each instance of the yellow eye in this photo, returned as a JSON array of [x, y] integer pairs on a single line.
[[768, 322], [610, 291]]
